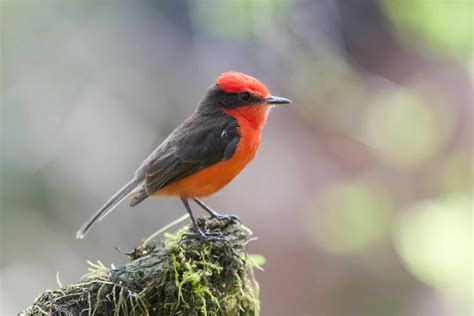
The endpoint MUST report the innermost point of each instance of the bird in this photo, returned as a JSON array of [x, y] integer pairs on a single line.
[[203, 154]]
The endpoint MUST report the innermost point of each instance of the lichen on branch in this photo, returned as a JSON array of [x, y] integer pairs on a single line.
[[176, 276]]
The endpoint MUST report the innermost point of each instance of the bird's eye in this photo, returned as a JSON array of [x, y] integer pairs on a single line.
[[244, 96]]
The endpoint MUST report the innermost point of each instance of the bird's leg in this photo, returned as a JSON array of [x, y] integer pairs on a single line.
[[214, 214], [208, 236]]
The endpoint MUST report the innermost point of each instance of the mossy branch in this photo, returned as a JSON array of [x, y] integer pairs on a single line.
[[177, 276]]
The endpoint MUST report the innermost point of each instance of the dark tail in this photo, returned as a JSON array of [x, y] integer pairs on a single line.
[[107, 208]]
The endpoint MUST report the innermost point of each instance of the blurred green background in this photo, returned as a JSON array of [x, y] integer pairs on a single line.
[[361, 194]]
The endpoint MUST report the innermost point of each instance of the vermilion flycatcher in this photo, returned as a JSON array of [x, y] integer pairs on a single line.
[[205, 152]]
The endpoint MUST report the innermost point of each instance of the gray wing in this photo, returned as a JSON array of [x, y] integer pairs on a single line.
[[189, 149]]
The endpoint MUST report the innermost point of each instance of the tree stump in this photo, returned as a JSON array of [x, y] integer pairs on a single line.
[[176, 276]]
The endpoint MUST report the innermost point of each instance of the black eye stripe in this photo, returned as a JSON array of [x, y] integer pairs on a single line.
[[233, 100], [230, 100], [244, 96]]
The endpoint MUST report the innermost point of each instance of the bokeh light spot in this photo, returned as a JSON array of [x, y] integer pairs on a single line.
[[444, 25], [357, 218], [403, 128], [435, 240], [236, 19]]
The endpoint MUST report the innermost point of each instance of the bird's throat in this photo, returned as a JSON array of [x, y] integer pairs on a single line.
[[254, 116]]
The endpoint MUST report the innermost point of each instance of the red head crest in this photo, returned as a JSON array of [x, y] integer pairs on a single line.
[[238, 82]]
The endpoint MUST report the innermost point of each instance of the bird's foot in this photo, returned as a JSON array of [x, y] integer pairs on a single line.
[[206, 236], [225, 217]]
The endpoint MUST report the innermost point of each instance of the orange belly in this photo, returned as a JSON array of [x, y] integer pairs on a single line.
[[211, 179]]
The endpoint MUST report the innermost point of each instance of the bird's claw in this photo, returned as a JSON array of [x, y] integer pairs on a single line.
[[206, 236], [229, 218]]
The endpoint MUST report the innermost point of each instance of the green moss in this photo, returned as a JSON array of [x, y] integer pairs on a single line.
[[207, 278], [176, 276]]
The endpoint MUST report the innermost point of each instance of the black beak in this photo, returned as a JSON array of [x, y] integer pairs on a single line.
[[277, 100]]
